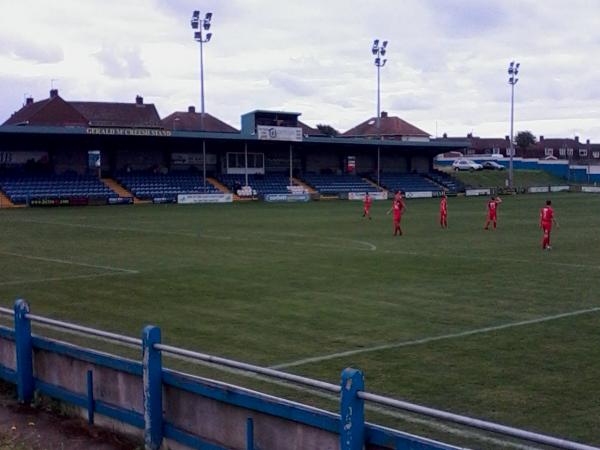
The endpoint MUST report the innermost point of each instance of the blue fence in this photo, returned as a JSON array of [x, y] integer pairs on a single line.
[[201, 413]]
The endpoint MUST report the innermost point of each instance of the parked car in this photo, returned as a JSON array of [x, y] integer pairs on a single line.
[[466, 164], [492, 165]]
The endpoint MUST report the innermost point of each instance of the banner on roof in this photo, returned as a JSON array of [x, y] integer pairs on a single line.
[[279, 133], [128, 131], [422, 194], [18, 158], [373, 195], [193, 159], [188, 199]]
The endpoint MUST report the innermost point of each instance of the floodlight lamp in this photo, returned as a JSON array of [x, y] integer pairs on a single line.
[[374, 50], [206, 25], [196, 14], [385, 44], [512, 63], [198, 35], [377, 61], [383, 63], [194, 24], [208, 36], [382, 51], [376, 43], [208, 16]]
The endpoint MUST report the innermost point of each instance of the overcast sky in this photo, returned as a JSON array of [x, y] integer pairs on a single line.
[[446, 69]]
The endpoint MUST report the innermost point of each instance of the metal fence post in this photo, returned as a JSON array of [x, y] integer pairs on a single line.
[[352, 411], [24, 352], [249, 434], [152, 386], [91, 404]]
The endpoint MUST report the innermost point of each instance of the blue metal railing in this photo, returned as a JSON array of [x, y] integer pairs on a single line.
[[351, 389]]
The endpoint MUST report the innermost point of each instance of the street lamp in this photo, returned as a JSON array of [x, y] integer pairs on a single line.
[[513, 71], [201, 24], [379, 51]]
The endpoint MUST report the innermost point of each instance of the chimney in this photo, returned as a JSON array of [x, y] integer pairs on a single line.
[[469, 135], [506, 138], [384, 114], [541, 138], [191, 109], [53, 93], [577, 139], [139, 100], [445, 135], [29, 101], [587, 141]]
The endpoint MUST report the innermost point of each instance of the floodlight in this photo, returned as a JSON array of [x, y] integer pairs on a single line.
[[206, 25], [377, 61], [208, 16], [196, 14], [384, 61], [376, 43], [382, 51], [385, 44], [198, 35], [208, 36]]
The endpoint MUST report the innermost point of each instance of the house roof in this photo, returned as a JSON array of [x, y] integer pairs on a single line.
[[55, 111], [108, 114], [391, 126], [193, 121], [307, 130]]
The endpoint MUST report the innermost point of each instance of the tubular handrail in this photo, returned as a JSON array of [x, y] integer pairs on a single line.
[[93, 331], [8, 311], [475, 423], [250, 368]]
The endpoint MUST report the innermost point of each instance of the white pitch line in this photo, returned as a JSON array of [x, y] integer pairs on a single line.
[[73, 263], [51, 279], [427, 340]]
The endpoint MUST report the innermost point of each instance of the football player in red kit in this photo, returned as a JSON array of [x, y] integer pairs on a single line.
[[398, 208], [546, 221], [492, 208], [367, 205], [444, 211]]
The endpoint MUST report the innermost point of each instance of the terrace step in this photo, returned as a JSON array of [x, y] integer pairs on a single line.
[[119, 190], [373, 183], [304, 185], [220, 186], [5, 202]]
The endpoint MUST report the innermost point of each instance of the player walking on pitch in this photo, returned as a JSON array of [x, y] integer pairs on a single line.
[[444, 211], [492, 208], [398, 208], [546, 221], [367, 205]]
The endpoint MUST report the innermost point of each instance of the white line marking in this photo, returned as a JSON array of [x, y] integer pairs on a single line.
[[51, 279], [427, 340], [64, 261]]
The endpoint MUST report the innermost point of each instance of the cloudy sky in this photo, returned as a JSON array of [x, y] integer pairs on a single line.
[[446, 69]]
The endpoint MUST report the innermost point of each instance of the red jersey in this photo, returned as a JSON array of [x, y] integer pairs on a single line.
[[397, 208], [492, 207], [367, 201], [443, 206], [546, 216]]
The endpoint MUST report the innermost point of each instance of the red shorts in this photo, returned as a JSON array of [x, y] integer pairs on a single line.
[[547, 226], [397, 219], [491, 216]]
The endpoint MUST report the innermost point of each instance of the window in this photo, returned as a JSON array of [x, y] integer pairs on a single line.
[[509, 151], [569, 152], [583, 152], [470, 151], [596, 155], [549, 151], [495, 151], [562, 151]]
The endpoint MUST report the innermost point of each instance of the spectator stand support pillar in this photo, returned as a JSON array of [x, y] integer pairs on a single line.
[[24, 352], [352, 411], [152, 386]]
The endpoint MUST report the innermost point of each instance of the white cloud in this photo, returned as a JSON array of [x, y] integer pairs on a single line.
[[447, 59]]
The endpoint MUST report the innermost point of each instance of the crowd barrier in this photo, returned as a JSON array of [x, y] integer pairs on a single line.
[[186, 411]]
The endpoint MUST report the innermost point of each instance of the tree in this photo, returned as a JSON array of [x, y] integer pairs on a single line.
[[524, 139], [327, 130]]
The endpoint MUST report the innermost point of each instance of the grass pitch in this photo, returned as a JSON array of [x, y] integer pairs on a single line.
[[477, 322]]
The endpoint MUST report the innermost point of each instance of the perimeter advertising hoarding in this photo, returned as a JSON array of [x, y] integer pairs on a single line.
[[373, 195], [188, 199], [475, 192], [424, 194], [279, 133], [287, 197], [538, 189]]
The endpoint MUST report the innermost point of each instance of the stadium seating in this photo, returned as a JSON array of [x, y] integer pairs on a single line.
[[147, 186], [452, 184], [338, 184], [24, 188], [408, 182], [262, 184]]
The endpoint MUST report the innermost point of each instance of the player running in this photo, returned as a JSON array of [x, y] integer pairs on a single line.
[[444, 211], [398, 208], [546, 221], [492, 207], [367, 205]]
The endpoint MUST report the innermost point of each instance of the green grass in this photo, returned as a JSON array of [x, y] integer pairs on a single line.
[[497, 178], [276, 283]]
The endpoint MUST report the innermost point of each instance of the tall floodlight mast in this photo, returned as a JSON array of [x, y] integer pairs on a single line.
[[379, 52]]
